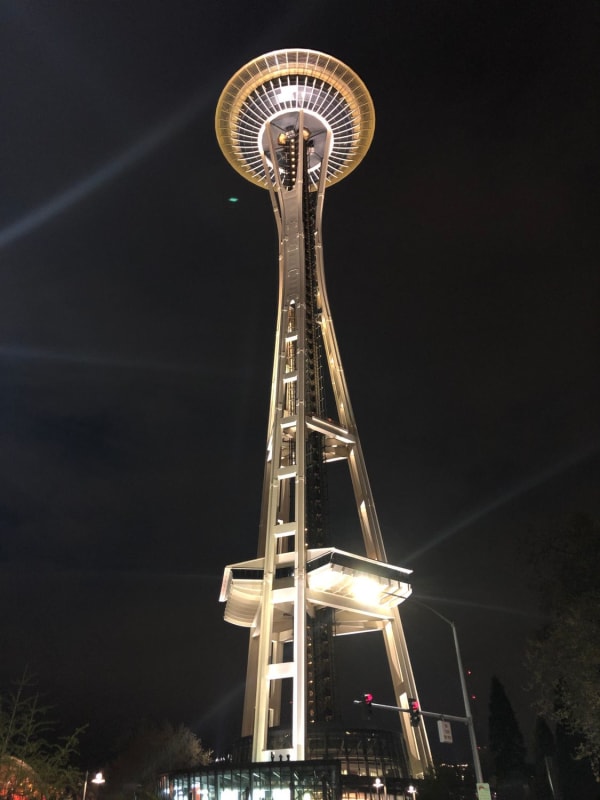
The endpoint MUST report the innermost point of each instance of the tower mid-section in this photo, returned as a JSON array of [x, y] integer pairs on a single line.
[[295, 121]]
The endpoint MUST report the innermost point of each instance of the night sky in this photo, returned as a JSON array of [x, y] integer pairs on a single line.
[[137, 313]]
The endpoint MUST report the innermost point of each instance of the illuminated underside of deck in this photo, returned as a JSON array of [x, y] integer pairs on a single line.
[[363, 591]]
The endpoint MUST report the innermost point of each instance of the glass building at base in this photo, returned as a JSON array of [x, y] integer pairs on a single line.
[[358, 764], [315, 779]]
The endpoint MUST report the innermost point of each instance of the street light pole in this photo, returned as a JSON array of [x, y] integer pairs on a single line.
[[97, 779], [465, 694], [378, 785]]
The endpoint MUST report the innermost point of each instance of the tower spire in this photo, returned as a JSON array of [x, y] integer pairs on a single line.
[[294, 122]]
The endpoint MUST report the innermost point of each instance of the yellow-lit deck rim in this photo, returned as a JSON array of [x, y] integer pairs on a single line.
[[237, 109]]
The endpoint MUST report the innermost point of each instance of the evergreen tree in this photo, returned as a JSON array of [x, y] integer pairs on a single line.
[[507, 747], [564, 659]]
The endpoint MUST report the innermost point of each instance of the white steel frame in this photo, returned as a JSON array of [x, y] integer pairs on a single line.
[[275, 611]]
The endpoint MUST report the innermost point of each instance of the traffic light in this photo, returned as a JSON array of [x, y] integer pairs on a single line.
[[415, 712], [368, 701]]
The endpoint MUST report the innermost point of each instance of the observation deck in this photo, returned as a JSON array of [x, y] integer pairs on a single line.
[[276, 88], [362, 590]]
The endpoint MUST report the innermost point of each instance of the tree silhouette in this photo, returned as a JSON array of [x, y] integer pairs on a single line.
[[507, 747], [34, 763], [149, 750], [564, 658], [575, 778]]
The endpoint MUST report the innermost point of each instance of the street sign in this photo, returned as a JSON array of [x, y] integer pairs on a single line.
[[445, 731], [483, 791]]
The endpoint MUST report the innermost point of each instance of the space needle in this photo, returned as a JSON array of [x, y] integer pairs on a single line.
[[294, 122]]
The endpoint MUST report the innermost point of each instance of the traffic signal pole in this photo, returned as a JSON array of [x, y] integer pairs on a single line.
[[416, 712], [421, 712]]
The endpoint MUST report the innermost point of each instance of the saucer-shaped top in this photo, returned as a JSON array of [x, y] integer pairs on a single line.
[[275, 88]]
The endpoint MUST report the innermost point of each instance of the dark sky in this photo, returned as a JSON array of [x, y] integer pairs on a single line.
[[137, 310]]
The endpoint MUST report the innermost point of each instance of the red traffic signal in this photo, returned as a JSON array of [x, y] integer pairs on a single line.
[[367, 699], [415, 711]]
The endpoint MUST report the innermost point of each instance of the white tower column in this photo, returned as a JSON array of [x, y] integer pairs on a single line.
[[295, 122]]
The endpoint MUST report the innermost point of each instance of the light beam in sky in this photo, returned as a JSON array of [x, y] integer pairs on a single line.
[[20, 353], [440, 601], [132, 155], [515, 491]]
